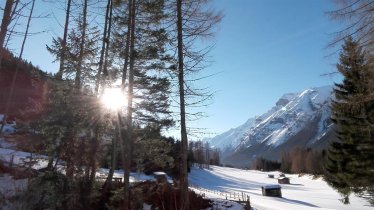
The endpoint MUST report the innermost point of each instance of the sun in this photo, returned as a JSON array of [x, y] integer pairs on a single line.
[[113, 98]]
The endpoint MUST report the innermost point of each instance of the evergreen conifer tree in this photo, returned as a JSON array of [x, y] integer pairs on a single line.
[[349, 166]]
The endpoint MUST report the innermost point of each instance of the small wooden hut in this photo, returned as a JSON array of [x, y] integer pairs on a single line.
[[284, 180], [271, 190]]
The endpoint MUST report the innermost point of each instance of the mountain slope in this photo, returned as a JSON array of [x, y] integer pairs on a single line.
[[297, 120], [230, 138]]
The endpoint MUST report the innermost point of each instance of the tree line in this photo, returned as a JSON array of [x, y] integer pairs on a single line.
[[202, 154], [297, 160]]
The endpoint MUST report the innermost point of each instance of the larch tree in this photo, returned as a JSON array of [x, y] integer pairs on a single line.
[[193, 20], [140, 42], [83, 28], [183, 180], [359, 15], [63, 42]]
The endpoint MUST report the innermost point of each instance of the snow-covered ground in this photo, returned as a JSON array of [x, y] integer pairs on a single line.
[[22, 158], [302, 193]]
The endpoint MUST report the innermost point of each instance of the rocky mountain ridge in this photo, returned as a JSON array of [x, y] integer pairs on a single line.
[[297, 120]]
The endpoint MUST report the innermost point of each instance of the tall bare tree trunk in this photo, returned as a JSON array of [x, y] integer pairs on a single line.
[[11, 92], [6, 21], [184, 203], [113, 161], [127, 47], [63, 44], [105, 68], [129, 132], [104, 46], [12, 17], [69, 145], [81, 48], [122, 125]]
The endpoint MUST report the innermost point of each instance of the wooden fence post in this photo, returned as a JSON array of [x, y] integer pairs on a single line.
[[248, 203]]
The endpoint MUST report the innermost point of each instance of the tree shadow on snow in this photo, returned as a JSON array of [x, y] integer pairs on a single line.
[[300, 202], [208, 179], [296, 184]]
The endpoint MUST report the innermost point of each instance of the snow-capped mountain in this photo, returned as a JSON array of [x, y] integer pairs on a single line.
[[297, 120], [230, 138]]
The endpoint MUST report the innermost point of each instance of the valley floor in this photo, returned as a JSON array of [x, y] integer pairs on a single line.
[[303, 192]]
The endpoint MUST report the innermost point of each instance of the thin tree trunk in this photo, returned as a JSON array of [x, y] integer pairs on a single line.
[[94, 147], [4, 46], [121, 130], [81, 48], [50, 162], [91, 168], [105, 68], [184, 205], [129, 136], [69, 153], [11, 92], [63, 43], [105, 194], [108, 182], [113, 159], [127, 47], [103, 47], [58, 155], [113, 162], [14, 10], [123, 137], [6, 21]]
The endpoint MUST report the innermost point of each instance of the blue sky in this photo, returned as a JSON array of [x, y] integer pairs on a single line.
[[263, 49]]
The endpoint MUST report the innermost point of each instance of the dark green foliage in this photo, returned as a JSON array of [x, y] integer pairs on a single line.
[[52, 190], [349, 164], [265, 165], [152, 150], [152, 87]]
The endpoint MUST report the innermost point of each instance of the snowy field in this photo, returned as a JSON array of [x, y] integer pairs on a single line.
[[302, 193]]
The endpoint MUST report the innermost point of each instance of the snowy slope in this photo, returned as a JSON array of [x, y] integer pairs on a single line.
[[298, 119], [232, 137], [288, 119], [302, 193]]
